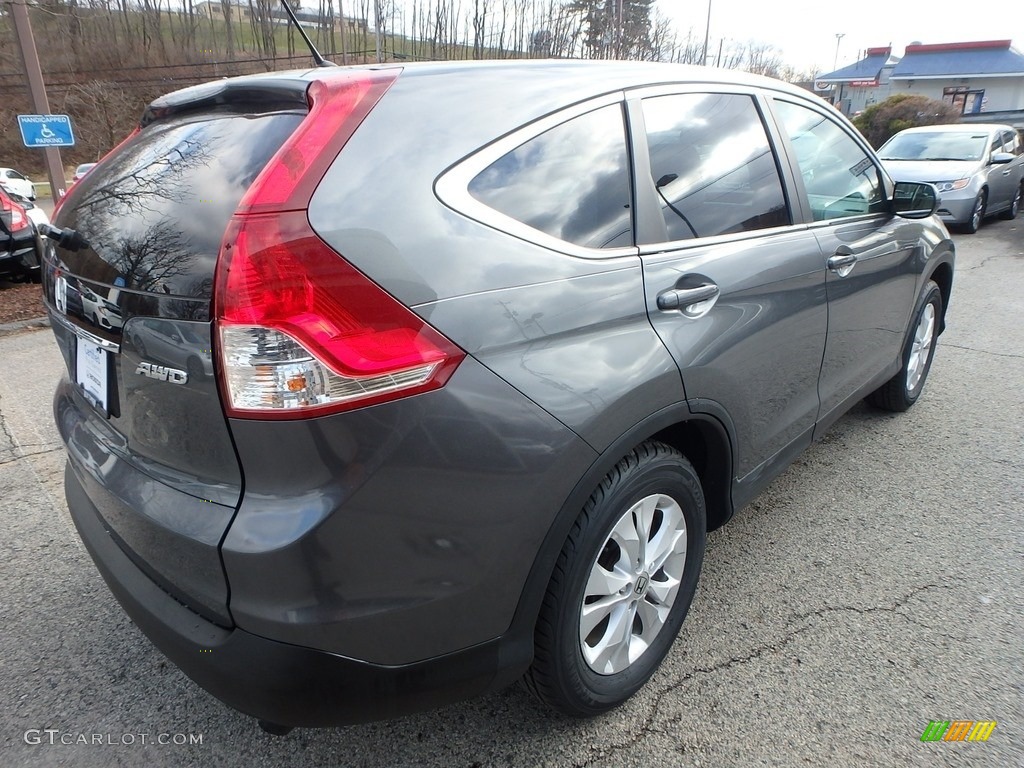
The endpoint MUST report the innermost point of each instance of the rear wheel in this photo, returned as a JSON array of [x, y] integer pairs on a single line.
[[1014, 209], [622, 585], [977, 213], [903, 389]]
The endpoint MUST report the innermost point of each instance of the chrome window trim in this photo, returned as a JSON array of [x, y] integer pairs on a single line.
[[880, 215], [709, 86], [733, 237], [452, 186]]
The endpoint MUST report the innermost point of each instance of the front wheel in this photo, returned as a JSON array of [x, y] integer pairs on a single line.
[[977, 213], [1014, 209], [903, 389], [622, 585]]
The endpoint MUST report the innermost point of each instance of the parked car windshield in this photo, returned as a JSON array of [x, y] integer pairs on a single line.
[[939, 145]]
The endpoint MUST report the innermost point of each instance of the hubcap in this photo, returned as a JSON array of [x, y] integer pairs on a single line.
[[924, 335], [1015, 205], [979, 206], [633, 584]]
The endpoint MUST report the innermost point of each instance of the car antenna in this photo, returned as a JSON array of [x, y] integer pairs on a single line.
[[320, 60]]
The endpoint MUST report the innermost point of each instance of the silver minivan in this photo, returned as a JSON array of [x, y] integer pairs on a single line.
[[977, 169]]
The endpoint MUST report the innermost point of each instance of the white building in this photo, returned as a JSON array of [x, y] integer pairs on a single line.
[[984, 79]]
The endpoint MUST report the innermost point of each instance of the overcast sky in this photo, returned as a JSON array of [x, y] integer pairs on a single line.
[[805, 30]]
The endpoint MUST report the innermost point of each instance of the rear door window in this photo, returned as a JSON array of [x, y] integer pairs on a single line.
[[1010, 142], [712, 165], [570, 182]]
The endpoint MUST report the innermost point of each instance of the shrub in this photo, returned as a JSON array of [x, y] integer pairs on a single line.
[[881, 121]]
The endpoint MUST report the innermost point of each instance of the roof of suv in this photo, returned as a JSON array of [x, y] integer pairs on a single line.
[[587, 76]]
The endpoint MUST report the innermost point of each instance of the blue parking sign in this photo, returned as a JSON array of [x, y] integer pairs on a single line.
[[46, 130]]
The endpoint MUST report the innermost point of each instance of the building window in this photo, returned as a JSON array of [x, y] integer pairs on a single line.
[[968, 101]]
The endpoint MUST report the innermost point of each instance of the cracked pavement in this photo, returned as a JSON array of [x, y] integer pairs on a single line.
[[875, 586]]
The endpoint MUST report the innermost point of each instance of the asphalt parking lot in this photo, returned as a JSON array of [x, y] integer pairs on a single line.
[[875, 586]]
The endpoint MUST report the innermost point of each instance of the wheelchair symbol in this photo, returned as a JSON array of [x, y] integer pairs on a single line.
[[46, 133]]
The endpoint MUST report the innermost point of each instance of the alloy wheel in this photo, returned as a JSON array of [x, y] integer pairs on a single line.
[[978, 214], [924, 337], [633, 584]]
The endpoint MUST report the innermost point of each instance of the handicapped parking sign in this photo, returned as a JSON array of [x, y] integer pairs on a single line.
[[46, 130]]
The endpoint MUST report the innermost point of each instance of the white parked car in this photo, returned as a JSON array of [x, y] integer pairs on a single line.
[[17, 183], [35, 214], [81, 170], [99, 310]]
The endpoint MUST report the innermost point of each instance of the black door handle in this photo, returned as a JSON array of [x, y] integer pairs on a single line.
[[681, 298]]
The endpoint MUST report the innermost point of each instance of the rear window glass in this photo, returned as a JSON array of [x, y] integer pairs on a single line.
[[157, 210], [570, 182]]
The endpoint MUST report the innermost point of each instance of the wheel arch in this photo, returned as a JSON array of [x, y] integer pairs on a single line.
[[693, 428], [942, 274]]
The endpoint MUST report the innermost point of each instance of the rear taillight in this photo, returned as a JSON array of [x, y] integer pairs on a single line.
[[300, 331], [19, 219]]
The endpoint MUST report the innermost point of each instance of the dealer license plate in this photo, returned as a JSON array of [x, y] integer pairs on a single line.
[[91, 372]]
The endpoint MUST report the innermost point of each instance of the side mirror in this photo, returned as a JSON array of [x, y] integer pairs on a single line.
[[914, 200], [1002, 158]]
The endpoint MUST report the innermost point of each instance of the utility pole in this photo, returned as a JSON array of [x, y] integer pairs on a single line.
[[37, 90], [376, 29]]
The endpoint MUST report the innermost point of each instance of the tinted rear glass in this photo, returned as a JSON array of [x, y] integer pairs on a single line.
[[571, 182], [712, 165], [155, 213]]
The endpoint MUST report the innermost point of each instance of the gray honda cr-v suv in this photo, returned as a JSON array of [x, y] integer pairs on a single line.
[[491, 346]]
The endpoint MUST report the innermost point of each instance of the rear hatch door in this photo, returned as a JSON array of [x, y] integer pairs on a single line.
[[129, 289]]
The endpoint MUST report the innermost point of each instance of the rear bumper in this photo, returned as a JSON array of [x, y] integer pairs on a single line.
[[279, 682], [19, 255]]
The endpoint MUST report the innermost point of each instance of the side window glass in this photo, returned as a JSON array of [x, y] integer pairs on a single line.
[[841, 180], [15, 175], [712, 165], [571, 182]]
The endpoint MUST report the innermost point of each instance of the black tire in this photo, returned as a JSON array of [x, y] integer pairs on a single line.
[[1011, 213], [897, 394], [560, 676], [977, 213]]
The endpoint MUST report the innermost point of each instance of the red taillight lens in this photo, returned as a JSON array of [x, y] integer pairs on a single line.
[[336, 108], [19, 219], [300, 330]]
